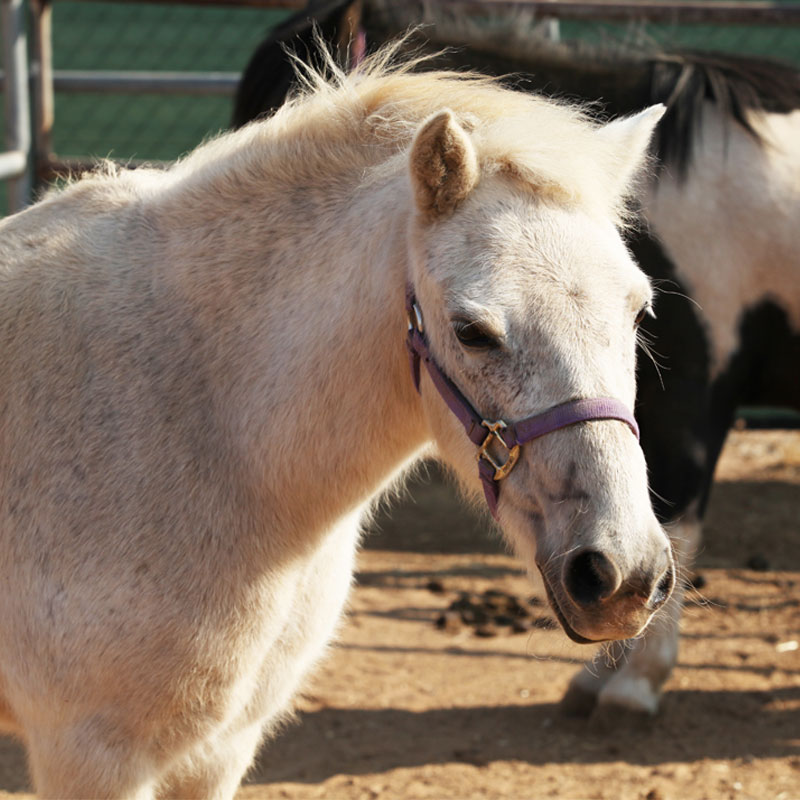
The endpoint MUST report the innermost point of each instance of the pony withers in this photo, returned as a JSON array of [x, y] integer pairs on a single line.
[[206, 382]]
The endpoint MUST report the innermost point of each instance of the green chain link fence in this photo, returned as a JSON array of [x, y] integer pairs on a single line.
[[118, 36]]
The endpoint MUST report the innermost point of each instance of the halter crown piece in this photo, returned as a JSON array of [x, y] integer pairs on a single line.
[[506, 437]]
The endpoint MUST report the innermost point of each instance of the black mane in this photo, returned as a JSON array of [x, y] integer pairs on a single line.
[[735, 84]]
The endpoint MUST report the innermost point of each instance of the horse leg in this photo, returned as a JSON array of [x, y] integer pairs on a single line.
[[630, 675], [76, 761], [214, 770], [214, 767]]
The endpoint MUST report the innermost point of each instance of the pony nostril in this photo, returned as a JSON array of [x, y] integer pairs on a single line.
[[663, 590], [591, 577]]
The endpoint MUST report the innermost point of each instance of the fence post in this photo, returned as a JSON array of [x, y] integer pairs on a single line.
[[15, 163], [42, 87]]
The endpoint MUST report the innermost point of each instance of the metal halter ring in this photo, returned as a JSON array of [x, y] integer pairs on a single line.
[[500, 470]]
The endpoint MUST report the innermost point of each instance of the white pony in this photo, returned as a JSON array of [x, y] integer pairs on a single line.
[[204, 382]]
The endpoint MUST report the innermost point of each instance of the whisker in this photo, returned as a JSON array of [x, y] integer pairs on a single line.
[[657, 286]]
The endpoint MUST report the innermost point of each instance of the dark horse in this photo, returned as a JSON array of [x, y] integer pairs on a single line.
[[718, 239]]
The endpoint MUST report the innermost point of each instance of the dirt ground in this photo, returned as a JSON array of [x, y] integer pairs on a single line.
[[403, 710]]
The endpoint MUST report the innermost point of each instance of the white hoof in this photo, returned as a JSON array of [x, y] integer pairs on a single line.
[[632, 693]]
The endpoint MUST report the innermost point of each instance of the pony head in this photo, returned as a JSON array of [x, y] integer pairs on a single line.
[[530, 300]]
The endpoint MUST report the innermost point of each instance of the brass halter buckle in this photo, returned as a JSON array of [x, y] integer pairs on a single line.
[[500, 470]]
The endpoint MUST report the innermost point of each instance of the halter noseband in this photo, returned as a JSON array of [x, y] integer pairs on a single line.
[[509, 436]]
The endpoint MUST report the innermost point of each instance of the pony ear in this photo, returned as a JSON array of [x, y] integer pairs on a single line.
[[444, 165], [629, 138]]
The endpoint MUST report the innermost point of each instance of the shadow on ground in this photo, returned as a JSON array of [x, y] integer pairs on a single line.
[[361, 741]]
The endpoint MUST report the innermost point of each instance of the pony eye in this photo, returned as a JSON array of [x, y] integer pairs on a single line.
[[646, 311], [472, 335]]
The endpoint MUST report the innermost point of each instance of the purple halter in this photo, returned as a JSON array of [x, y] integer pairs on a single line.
[[509, 436]]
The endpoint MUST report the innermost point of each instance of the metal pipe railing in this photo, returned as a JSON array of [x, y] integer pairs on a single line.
[[203, 83], [14, 163]]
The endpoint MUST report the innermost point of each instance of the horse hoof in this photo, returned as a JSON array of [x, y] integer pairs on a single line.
[[625, 693], [578, 702]]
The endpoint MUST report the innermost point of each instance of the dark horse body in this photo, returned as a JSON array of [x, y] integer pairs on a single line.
[[718, 353]]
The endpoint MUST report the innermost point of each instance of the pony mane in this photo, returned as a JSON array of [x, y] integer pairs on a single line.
[[339, 123], [345, 128]]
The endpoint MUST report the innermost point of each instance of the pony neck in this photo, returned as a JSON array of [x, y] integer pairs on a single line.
[[302, 294]]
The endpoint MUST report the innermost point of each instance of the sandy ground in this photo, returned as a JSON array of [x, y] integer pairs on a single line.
[[402, 709]]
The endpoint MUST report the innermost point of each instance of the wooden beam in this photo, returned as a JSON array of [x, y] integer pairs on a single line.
[[758, 12]]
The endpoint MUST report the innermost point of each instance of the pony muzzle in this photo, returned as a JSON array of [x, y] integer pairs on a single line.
[[595, 601]]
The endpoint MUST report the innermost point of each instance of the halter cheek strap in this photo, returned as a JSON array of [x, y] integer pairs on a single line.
[[507, 437]]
